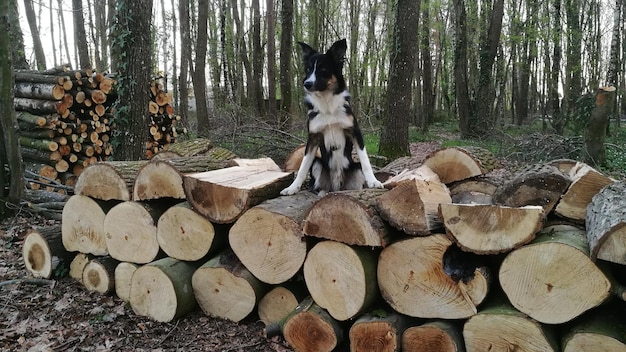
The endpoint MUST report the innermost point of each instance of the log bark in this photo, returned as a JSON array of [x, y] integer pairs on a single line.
[[39, 107], [184, 234], [420, 286], [164, 179], [224, 288], [490, 229], [40, 144], [162, 290], [131, 231], [99, 275], [190, 147], [606, 224], [438, 335], [553, 280], [348, 217], [378, 330], [412, 206], [123, 277], [109, 180], [341, 279], [268, 238], [280, 301], [458, 163], [82, 225], [309, 328], [224, 195], [586, 182], [474, 190], [422, 173], [43, 252], [500, 327], [44, 91], [542, 185]]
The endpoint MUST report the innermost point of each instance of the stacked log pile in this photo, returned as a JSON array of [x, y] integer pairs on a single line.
[[474, 263], [66, 121]]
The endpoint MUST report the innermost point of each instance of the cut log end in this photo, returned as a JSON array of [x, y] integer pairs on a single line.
[[307, 331]]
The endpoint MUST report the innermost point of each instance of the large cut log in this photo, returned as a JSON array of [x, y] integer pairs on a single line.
[[78, 264], [422, 286], [541, 184], [475, 190], [309, 328], [341, 278], [606, 224], [82, 225], [99, 275], [224, 288], [280, 301], [268, 238], [500, 327], [586, 182], [123, 278], [184, 234], [131, 231], [162, 290], [553, 280], [349, 217], [412, 206], [458, 163], [109, 180], [190, 147], [490, 229], [217, 153], [437, 335], [223, 195], [45, 91], [164, 179], [43, 252], [379, 330], [597, 331]]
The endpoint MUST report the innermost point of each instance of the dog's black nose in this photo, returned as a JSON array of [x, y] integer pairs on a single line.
[[308, 85]]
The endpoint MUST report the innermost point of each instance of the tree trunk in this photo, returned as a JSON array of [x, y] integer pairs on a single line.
[[224, 288], [378, 330], [463, 105], [286, 49], [540, 279], [348, 217], [394, 138], [80, 36], [199, 74], [459, 163], [438, 335], [160, 290], [83, 225], [271, 58], [256, 91], [268, 238], [428, 94], [40, 57], [595, 133], [606, 217], [15, 39], [185, 56], [43, 252]]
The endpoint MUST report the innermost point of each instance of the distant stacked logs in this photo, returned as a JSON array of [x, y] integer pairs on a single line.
[[163, 129]]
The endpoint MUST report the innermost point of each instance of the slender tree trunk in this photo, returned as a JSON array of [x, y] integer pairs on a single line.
[[573, 69], [102, 42], [558, 120], [199, 74], [80, 36], [214, 57], [54, 49], [40, 57], [271, 58], [463, 106], [185, 54], [394, 139], [175, 81], [427, 70], [613, 70], [18, 52], [63, 30], [256, 94], [93, 32], [286, 49]]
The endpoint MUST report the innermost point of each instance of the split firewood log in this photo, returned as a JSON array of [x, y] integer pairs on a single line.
[[436, 335], [309, 328], [348, 217], [223, 195], [552, 279], [500, 327], [586, 182], [268, 238], [99, 275], [109, 180], [43, 252], [78, 264], [224, 287], [422, 173], [164, 179], [184, 234], [458, 163], [474, 190], [341, 278], [412, 206], [434, 284], [606, 224], [162, 290], [82, 225], [131, 231], [541, 184], [379, 330], [490, 229], [599, 330], [123, 277], [280, 301]]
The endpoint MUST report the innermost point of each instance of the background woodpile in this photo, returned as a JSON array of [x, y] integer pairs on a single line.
[[66, 123], [449, 257]]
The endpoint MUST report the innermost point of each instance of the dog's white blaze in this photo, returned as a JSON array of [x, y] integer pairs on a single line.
[[311, 78]]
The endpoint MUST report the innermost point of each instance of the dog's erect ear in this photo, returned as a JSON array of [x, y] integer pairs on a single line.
[[307, 51], [338, 51]]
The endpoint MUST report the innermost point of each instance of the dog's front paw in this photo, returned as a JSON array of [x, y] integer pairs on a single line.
[[374, 184], [291, 190]]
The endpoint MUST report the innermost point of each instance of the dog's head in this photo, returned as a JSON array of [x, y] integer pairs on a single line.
[[324, 71]]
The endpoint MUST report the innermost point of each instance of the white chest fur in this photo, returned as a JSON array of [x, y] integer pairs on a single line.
[[331, 112]]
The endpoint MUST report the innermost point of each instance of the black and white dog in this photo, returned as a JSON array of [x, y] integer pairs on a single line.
[[331, 127]]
